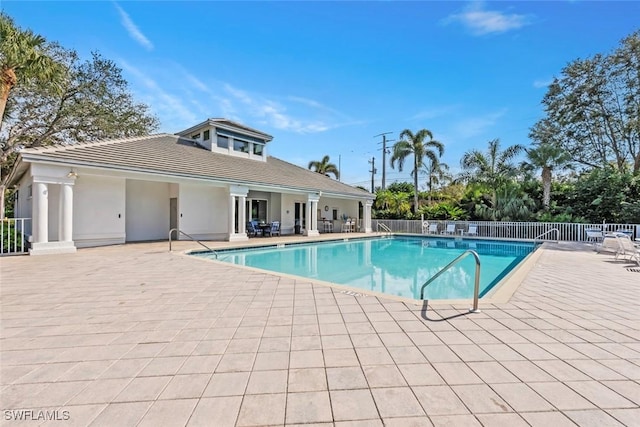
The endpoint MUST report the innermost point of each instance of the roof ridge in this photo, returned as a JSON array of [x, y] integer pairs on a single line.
[[101, 142]]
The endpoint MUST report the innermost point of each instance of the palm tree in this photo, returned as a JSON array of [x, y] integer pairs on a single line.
[[324, 167], [437, 173], [547, 157], [23, 57], [493, 168], [415, 144]]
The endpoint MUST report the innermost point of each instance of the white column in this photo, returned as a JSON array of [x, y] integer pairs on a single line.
[[40, 206], [65, 223], [312, 204], [242, 216], [232, 215], [367, 215]]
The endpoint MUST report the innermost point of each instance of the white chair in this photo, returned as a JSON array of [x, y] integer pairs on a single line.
[[433, 228], [346, 226], [328, 226], [472, 231], [451, 229], [627, 248], [594, 235]]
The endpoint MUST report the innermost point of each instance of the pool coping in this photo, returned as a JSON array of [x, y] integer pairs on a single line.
[[501, 292]]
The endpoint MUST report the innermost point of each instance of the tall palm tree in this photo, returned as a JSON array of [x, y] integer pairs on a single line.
[[324, 167], [420, 146], [547, 157], [493, 168], [23, 57]]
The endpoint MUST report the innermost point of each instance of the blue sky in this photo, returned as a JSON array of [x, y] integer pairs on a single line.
[[325, 77]]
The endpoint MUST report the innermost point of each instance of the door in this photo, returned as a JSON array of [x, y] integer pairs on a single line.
[[300, 216], [173, 217]]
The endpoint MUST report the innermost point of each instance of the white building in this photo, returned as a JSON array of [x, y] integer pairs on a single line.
[[207, 181]]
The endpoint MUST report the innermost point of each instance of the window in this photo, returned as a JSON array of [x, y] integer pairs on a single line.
[[29, 191], [241, 146], [195, 136], [223, 142], [206, 135], [335, 214], [257, 149]]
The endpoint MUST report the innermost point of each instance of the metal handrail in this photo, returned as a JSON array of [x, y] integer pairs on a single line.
[[192, 239], [476, 290], [547, 232], [383, 226]]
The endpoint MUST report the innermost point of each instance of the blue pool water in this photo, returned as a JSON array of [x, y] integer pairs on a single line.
[[396, 265]]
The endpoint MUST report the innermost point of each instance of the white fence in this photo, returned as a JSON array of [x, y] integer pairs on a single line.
[[509, 230], [14, 235]]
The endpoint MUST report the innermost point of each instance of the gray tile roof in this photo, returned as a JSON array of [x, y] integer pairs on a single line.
[[173, 155]]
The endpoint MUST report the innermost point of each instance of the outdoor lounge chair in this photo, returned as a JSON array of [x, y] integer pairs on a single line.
[[433, 228], [627, 248], [451, 229], [472, 231]]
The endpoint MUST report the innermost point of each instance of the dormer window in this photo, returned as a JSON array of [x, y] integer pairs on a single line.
[[258, 149], [223, 142], [206, 135], [241, 146], [195, 136]]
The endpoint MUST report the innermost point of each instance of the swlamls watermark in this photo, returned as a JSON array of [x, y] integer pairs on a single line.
[[36, 415]]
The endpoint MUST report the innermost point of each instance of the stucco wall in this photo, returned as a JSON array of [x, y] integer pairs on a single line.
[[98, 210], [147, 210], [23, 206], [203, 211]]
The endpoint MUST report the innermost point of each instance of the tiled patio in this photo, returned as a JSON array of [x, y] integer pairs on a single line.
[[134, 335]]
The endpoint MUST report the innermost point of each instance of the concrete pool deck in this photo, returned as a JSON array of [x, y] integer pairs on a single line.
[[135, 335]]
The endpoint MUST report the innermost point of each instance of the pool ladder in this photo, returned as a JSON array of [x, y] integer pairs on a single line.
[[380, 225], [476, 290], [192, 239]]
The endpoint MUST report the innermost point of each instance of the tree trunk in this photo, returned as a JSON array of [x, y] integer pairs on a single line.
[[2, 191], [546, 187], [415, 185], [8, 80]]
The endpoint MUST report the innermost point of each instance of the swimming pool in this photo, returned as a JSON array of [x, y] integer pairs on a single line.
[[395, 265]]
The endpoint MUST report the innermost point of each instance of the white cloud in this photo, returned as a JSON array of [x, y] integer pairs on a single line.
[[474, 126], [481, 22], [133, 30], [274, 114], [542, 83]]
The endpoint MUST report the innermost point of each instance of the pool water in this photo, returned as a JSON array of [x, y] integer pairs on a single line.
[[396, 265]]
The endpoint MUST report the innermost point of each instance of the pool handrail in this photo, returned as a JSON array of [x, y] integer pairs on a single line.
[[380, 225], [192, 239], [547, 232], [476, 290]]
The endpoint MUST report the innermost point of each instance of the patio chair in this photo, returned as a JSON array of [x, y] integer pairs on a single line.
[[275, 228], [594, 235], [627, 248], [472, 231], [328, 225], [252, 230], [346, 226], [433, 228], [451, 229]]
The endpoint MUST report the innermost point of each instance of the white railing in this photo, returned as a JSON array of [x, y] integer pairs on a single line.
[[570, 232], [14, 235]]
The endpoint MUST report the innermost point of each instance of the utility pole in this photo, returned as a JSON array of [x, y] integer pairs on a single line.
[[373, 172], [384, 157]]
